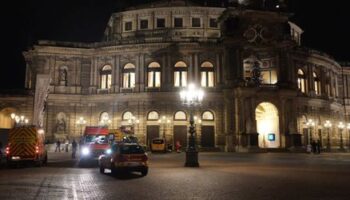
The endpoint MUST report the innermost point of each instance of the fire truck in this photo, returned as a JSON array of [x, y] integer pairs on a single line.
[[26, 144], [93, 143]]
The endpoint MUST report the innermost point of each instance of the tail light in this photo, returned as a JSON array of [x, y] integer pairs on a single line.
[[7, 150], [36, 149]]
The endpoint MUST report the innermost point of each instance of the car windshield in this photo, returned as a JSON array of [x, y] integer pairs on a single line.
[[99, 139], [159, 141], [131, 149]]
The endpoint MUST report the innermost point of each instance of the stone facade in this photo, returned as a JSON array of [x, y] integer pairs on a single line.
[[249, 62]]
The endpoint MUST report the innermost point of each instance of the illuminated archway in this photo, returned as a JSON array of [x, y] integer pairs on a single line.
[[267, 124], [5, 117]]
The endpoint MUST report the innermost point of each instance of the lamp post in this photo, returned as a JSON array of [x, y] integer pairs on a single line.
[[132, 121], [341, 127], [191, 97], [328, 125], [105, 121], [19, 120], [348, 127], [81, 122], [164, 122], [310, 123]]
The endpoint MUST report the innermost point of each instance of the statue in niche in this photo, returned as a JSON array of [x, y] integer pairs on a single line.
[[63, 77], [61, 123], [256, 73]]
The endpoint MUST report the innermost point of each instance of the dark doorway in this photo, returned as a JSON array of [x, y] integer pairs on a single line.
[[152, 132], [180, 134], [208, 136]]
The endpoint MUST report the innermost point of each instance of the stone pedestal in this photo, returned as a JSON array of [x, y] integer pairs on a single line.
[[191, 158], [229, 147]]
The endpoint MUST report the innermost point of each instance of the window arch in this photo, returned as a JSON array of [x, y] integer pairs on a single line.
[[127, 115], [180, 74], [129, 76], [207, 74], [207, 116], [153, 74], [153, 116], [106, 77], [317, 84], [301, 81], [180, 116]]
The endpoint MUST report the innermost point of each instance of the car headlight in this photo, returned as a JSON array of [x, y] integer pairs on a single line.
[[85, 151], [108, 151]]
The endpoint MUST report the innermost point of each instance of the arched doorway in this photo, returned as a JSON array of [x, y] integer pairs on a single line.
[[267, 123], [5, 117]]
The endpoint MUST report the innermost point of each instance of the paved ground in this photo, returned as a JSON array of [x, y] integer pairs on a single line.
[[220, 176]]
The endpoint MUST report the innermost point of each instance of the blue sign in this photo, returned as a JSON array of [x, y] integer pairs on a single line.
[[271, 137]]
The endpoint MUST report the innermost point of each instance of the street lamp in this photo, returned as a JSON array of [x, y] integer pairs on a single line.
[[310, 123], [348, 127], [132, 121], [328, 125], [191, 97], [19, 120], [105, 121], [164, 122], [341, 127], [81, 122]]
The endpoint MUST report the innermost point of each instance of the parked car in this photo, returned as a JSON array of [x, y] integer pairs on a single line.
[[124, 157]]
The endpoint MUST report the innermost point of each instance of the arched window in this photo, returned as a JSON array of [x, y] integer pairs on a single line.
[[301, 81], [129, 76], [207, 116], [106, 77], [127, 115], [180, 116], [153, 75], [317, 84], [104, 118], [180, 74], [207, 74], [153, 116]]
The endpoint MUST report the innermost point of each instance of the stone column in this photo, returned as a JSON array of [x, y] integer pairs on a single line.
[[229, 121]]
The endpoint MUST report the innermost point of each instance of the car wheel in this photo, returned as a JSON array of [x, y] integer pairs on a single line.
[[114, 171], [144, 172]]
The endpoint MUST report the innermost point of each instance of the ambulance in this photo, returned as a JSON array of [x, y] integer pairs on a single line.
[[26, 144], [93, 143]]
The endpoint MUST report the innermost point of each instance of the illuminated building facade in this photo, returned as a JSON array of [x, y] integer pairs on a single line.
[[261, 86]]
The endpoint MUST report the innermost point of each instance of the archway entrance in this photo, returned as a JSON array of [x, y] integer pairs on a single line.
[[267, 123], [5, 118]]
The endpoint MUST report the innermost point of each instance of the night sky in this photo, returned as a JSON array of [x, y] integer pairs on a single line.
[[23, 22]]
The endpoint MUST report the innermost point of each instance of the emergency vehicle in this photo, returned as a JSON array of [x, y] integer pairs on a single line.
[[26, 144], [93, 143]]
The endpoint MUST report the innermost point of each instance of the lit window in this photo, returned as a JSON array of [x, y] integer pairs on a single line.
[[269, 76], [180, 74], [127, 115], [301, 81], [106, 77], [154, 75], [129, 76], [180, 116], [153, 115], [317, 84], [207, 75], [208, 116]]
